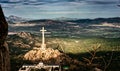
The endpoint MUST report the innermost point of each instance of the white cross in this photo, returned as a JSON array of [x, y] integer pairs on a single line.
[[43, 38]]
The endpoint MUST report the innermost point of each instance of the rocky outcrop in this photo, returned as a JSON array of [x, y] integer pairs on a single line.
[[51, 56], [4, 53], [24, 35], [40, 54]]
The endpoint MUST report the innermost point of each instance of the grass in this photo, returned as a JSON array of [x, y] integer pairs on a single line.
[[79, 45]]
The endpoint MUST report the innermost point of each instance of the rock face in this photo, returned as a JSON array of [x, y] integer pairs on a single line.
[[4, 52]]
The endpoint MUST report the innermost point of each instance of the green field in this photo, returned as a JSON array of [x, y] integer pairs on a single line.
[[106, 50], [82, 44]]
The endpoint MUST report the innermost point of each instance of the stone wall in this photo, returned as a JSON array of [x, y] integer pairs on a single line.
[[4, 52]]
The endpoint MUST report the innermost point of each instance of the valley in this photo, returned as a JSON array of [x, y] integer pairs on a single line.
[[87, 43]]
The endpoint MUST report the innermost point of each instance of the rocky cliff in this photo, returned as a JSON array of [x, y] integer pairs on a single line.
[[4, 52]]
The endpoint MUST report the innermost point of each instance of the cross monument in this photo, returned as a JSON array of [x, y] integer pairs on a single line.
[[43, 45]]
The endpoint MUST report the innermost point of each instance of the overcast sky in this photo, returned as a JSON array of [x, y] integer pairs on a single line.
[[48, 9]]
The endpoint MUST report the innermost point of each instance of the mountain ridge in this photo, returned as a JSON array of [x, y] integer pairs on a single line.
[[86, 21], [14, 19]]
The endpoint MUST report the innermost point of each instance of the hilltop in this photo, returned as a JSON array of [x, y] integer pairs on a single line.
[[14, 19]]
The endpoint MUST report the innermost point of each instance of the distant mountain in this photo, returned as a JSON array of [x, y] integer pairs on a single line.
[[97, 20], [69, 25], [65, 19], [98, 27], [15, 19], [62, 21]]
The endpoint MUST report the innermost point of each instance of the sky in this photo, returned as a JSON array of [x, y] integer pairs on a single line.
[[50, 9]]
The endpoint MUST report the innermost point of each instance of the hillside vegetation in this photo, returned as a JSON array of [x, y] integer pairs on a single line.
[[80, 48]]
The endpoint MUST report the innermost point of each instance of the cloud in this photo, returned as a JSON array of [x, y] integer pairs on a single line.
[[10, 1], [101, 2], [67, 12], [57, 8], [45, 2], [33, 3]]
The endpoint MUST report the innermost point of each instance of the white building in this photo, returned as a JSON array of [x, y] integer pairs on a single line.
[[40, 66]]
